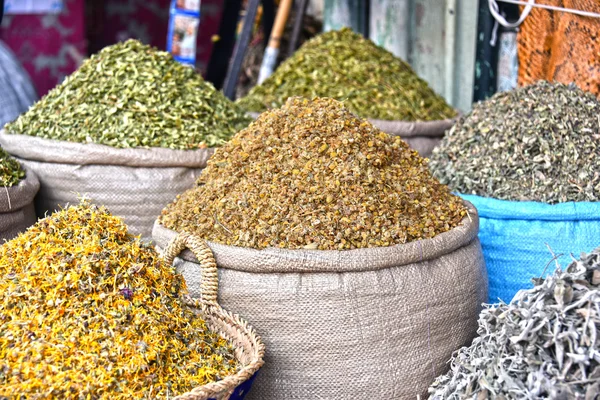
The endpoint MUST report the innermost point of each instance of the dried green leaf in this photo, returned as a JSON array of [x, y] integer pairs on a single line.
[[132, 95]]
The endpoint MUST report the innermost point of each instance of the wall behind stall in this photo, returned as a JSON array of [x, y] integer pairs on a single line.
[[49, 46], [438, 38], [52, 46]]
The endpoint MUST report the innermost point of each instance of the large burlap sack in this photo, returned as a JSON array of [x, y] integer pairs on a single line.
[[378, 323], [17, 212], [421, 136], [519, 239], [135, 184]]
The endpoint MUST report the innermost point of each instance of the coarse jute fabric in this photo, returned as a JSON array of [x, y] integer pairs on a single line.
[[135, 184], [17, 212], [249, 348], [375, 323], [422, 136]]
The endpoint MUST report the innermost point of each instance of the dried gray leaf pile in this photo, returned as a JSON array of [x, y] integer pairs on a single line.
[[544, 344]]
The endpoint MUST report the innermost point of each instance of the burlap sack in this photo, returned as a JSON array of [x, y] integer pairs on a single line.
[[135, 184], [377, 323], [421, 136], [16, 206]]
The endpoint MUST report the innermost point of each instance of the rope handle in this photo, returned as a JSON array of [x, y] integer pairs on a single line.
[[209, 285]]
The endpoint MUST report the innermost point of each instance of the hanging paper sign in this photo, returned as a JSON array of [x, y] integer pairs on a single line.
[[33, 6], [183, 30]]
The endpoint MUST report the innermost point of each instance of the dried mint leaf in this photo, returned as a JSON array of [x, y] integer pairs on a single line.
[[132, 95], [343, 65], [10, 170], [536, 143]]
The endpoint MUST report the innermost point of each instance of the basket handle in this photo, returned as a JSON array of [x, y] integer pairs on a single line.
[[209, 285]]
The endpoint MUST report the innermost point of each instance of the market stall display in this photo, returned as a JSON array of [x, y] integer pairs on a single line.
[[529, 160], [543, 344], [322, 225], [16, 201], [371, 82], [131, 128], [89, 311]]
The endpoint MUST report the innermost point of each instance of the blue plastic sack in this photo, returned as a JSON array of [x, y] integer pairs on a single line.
[[514, 235], [240, 392]]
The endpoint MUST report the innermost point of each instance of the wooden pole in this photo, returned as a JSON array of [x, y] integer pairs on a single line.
[[272, 50], [239, 51]]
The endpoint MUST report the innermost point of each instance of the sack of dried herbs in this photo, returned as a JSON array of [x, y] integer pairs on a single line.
[[19, 186], [131, 128], [350, 259], [544, 344], [529, 160], [89, 311], [371, 82]]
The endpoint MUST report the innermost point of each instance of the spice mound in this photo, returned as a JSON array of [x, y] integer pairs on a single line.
[[313, 175], [537, 143], [345, 66], [132, 95], [543, 345], [88, 311], [10, 170]]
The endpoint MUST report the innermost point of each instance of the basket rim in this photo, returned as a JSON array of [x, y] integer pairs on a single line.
[[245, 330], [231, 326]]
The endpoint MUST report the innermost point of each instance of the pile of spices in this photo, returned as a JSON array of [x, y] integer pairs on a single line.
[[537, 143], [313, 175], [89, 312], [544, 344], [132, 95], [10, 170], [343, 65]]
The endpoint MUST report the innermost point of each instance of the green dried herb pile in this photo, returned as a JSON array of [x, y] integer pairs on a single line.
[[10, 170], [537, 143], [545, 344], [343, 65], [313, 175], [132, 95], [89, 312]]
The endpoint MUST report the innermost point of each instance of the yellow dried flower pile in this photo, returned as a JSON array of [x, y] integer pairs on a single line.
[[89, 312], [313, 175]]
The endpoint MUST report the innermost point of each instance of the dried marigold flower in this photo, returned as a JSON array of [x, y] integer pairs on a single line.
[[88, 311]]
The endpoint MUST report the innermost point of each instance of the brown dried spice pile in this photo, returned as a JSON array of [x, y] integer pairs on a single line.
[[313, 175], [89, 312]]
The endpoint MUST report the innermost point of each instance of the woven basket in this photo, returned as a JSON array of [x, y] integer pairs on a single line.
[[249, 348]]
